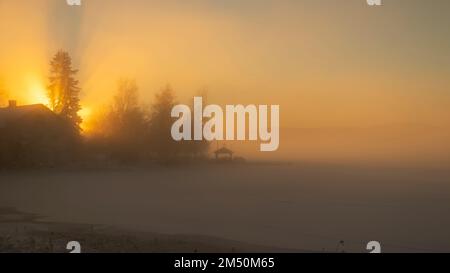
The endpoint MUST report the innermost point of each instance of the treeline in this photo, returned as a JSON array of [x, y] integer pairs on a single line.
[[127, 132]]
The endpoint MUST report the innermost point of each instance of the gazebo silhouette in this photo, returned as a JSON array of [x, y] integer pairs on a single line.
[[224, 154]]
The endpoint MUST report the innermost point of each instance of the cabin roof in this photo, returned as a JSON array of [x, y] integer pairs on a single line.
[[12, 114]]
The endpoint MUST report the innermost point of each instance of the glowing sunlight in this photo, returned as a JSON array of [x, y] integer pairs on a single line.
[[85, 113], [37, 93]]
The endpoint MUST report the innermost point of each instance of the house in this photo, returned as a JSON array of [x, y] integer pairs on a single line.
[[32, 135]]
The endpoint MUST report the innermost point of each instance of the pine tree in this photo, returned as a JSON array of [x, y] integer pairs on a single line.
[[63, 90]]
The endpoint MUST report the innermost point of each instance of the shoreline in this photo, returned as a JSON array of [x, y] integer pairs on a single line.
[[22, 232]]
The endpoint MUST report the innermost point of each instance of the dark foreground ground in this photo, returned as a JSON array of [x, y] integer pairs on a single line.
[[24, 232], [251, 208]]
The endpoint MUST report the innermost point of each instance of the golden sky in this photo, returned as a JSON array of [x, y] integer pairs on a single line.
[[326, 62]]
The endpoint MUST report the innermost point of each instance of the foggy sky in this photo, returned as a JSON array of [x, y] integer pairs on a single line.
[[328, 63]]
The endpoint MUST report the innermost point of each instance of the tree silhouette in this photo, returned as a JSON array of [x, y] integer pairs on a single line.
[[126, 100], [121, 129], [163, 145], [63, 90], [126, 122]]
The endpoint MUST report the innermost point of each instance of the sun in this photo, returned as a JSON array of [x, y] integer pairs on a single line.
[[85, 113], [37, 94]]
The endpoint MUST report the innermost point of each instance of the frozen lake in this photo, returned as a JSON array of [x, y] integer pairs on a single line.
[[299, 206]]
